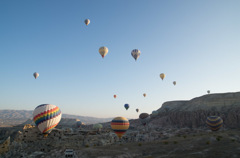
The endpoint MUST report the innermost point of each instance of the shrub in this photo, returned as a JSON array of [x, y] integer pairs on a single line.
[[139, 144], [165, 142], [175, 142], [87, 146], [208, 142], [185, 136]]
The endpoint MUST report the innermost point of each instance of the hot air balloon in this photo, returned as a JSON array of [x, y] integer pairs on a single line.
[[115, 96], [154, 113], [35, 74], [214, 122], [174, 82], [126, 106], [135, 53], [144, 118], [137, 110], [79, 124], [119, 126], [208, 91], [87, 21], [97, 126], [103, 51], [144, 94], [46, 117], [162, 76]]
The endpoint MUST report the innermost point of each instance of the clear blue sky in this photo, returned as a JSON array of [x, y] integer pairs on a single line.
[[196, 43]]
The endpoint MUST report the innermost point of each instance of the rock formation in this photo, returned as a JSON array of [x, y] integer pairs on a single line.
[[193, 113]]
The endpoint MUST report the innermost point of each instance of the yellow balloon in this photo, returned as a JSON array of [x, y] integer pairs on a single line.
[[120, 125], [162, 76]]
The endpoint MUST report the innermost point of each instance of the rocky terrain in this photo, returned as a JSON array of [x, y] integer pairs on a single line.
[[179, 130]]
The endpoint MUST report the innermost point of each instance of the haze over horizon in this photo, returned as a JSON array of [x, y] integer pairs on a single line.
[[195, 43]]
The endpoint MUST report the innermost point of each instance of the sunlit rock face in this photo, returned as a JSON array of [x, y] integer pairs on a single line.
[[193, 113], [4, 145]]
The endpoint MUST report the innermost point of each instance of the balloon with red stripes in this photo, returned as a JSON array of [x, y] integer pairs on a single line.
[[46, 117], [120, 125]]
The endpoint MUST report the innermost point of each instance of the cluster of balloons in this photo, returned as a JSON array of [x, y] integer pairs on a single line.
[[47, 116]]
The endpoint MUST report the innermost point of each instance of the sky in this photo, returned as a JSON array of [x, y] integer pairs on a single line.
[[195, 43]]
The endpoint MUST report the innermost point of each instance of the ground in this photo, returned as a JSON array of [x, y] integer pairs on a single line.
[[221, 144]]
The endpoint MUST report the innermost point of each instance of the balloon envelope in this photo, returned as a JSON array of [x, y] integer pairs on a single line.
[[144, 94], [35, 74], [87, 21], [115, 96], [144, 118], [46, 117], [137, 110], [120, 125], [79, 123], [103, 51], [135, 53], [214, 122], [97, 126], [126, 106], [208, 91], [174, 82], [162, 76]]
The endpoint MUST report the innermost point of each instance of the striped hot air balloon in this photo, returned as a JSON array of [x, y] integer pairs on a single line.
[[214, 122], [46, 117], [119, 126]]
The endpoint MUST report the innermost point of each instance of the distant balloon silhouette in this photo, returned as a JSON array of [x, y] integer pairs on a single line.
[[103, 51], [208, 91], [174, 82], [162, 76], [79, 124], [135, 54], [115, 96], [144, 118], [87, 22], [35, 74], [144, 94], [137, 110], [126, 106]]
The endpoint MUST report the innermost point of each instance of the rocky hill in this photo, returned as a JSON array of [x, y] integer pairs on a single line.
[[193, 113], [15, 117]]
